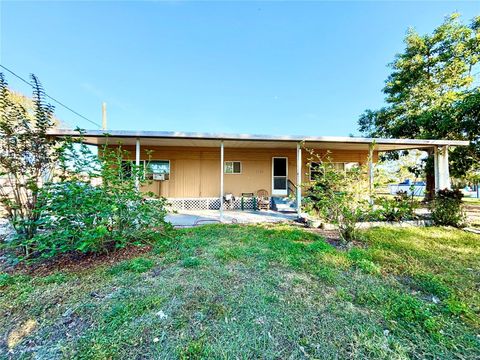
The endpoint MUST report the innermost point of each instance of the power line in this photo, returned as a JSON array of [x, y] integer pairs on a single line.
[[52, 98]]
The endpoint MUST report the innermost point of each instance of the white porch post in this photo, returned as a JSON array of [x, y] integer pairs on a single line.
[[221, 180], [442, 168], [299, 180], [137, 163], [370, 172]]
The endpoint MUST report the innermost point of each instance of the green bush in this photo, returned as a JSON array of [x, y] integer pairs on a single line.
[[76, 216], [338, 196], [28, 155], [447, 209], [400, 208]]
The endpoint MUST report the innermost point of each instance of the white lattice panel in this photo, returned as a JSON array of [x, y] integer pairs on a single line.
[[209, 204], [248, 204]]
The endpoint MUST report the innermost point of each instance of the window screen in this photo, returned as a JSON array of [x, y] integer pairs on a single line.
[[233, 167], [279, 167], [158, 167], [316, 168]]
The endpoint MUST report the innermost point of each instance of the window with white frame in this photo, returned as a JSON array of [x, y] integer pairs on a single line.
[[158, 169], [233, 167], [316, 168]]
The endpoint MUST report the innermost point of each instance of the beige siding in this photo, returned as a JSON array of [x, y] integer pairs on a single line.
[[195, 172]]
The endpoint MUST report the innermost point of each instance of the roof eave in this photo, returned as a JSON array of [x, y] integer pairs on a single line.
[[246, 137]]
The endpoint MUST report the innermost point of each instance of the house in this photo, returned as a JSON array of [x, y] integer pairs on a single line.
[[197, 170]]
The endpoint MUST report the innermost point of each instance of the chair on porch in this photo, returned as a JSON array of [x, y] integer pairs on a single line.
[[263, 200]]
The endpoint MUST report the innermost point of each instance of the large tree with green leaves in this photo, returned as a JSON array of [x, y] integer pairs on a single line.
[[432, 91]]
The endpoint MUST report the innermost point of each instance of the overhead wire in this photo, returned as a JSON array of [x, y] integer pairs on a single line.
[[52, 98]]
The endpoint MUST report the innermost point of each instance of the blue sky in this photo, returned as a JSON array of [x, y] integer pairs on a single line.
[[244, 67]]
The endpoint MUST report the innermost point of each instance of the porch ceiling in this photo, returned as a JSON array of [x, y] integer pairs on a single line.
[[164, 138]]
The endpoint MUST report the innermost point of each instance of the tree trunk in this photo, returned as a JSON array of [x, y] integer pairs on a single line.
[[430, 177]]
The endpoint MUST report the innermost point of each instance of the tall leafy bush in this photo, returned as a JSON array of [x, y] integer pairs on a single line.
[[338, 196], [447, 208], [77, 216], [27, 156]]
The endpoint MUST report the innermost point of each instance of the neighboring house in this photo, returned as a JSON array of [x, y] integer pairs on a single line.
[[196, 170]]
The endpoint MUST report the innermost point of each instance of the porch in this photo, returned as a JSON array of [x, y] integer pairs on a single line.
[[190, 218], [198, 170]]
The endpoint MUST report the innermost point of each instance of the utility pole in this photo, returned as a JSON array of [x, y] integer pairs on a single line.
[[104, 116]]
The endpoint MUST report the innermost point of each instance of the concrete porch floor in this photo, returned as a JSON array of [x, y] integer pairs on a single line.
[[191, 218]]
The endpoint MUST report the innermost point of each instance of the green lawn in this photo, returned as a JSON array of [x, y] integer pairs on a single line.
[[471, 201], [257, 292]]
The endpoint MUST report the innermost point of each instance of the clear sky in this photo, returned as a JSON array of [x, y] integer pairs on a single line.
[[244, 67]]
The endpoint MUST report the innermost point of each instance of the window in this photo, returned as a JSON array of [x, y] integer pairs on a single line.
[[158, 167], [127, 167], [148, 168], [233, 167], [316, 168], [351, 165]]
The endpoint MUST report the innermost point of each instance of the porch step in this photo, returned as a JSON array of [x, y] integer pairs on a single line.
[[283, 204]]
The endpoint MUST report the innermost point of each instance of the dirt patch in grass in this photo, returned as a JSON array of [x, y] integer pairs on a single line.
[[75, 262], [333, 238]]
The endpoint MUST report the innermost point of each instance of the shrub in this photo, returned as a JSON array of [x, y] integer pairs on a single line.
[[446, 208], [400, 208], [27, 155], [78, 217], [339, 196]]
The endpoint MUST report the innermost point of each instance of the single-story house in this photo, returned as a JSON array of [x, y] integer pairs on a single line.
[[197, 170]]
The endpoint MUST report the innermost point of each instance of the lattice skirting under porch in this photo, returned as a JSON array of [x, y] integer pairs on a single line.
[[210, 204]]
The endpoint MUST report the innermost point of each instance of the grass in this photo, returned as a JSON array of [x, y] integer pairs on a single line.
[[471, 201], [246, 292]]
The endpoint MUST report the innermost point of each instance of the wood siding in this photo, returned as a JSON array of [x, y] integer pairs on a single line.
[[195, 172]]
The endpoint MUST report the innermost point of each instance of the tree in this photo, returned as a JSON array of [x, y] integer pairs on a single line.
[[28, 104], [431, 92], [27, 155]]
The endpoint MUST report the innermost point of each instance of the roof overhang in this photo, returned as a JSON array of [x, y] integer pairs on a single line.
[[172, 138]]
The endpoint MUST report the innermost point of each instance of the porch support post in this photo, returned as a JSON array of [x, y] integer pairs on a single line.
[[370, 172], [221, 180], [137, 163], [442, 168], [299, 180]]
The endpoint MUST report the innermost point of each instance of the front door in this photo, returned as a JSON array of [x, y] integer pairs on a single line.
[[279, 176]]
